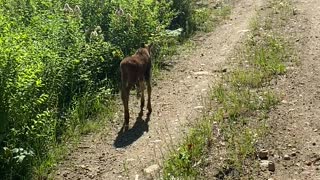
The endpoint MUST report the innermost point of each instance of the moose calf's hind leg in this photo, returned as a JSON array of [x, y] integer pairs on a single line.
[[142, 88], [126, 119], [149, 96], [125, 100]]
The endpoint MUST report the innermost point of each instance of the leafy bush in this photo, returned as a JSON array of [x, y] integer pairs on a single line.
[[59, 65], [184, 18]]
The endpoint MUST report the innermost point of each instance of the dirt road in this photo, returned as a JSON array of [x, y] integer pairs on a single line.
[[294, 143], [177, 102]]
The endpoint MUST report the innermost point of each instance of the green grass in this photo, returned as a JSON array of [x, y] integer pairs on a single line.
[[249, 78], [207, 19], [184, 161], [242, 103]]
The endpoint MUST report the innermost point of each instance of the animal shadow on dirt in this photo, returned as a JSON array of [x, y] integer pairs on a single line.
[[126, 138]]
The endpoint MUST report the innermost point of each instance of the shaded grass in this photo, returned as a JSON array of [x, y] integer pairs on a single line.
[[243, 102]]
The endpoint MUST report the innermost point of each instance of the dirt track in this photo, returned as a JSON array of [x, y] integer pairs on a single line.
[[177, 102], [294, 143]]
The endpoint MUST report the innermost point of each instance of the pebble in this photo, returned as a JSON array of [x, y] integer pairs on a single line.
[[199, 107], [309, 163], [268, 164], [151, 169], [317, 162], [263, 154], [286, 157], [130, 160], [83, 166], [202, 73], [224, 70], [264, 163], [91, 176], [156, 141], [271, 166]]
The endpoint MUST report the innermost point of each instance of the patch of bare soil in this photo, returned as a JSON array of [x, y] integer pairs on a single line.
[[177, 102], [294, 142]]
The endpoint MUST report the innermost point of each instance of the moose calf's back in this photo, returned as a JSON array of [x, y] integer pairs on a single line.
[[134, 68]]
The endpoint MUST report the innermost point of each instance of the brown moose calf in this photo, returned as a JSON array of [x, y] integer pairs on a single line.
[[136, 70]]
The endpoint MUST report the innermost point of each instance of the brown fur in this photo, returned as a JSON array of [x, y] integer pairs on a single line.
[[136, 70]]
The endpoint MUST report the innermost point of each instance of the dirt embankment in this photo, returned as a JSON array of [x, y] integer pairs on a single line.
[[177, 102], [294, 142]]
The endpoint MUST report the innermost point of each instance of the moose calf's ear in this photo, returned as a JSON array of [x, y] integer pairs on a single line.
[[150, 46]]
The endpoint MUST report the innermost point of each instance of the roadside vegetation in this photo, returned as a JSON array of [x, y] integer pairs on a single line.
[[59, 69], [223, 144]]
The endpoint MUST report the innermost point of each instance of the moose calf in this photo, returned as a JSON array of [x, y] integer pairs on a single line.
[[136, 70]]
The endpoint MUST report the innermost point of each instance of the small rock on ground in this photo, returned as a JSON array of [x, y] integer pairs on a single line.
[[286, 157], [263, 154], [151, 169], [268, 165]]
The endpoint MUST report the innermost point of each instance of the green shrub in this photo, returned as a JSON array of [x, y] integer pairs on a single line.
[[185, 10], [58, 69]]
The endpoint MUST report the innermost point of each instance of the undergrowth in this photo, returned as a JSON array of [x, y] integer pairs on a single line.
[[59, 69], [223, 143]]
